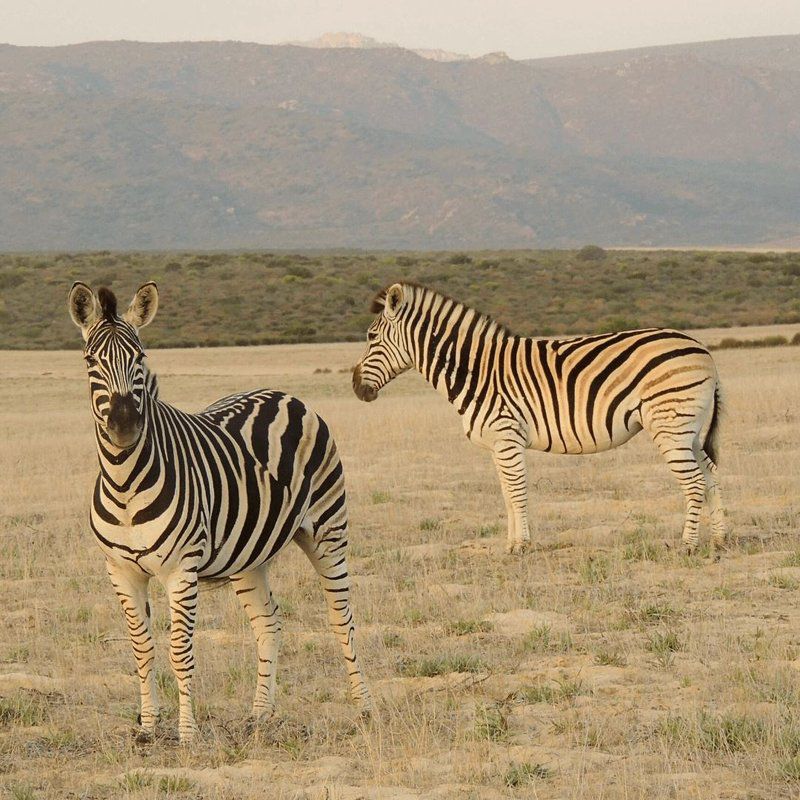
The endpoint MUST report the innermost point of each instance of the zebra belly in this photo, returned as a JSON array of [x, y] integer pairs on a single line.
[[573, 435]]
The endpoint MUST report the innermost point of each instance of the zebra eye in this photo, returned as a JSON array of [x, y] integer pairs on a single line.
[[372, 337], [91, 361]]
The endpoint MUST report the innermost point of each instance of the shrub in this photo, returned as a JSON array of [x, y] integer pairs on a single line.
[[459, 258], [591, 252]]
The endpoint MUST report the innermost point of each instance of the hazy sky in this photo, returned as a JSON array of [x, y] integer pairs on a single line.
[[523, 29]]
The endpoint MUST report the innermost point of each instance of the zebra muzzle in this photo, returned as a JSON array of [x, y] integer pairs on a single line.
[[362, 390], [124, 421]]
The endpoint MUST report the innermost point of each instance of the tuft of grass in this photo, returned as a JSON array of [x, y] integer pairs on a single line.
[[713, 733], [782, 581], [465, 626], [19, 792], [173, 784], [663, 644], [637, 547], [610, 658], [429, 524], [792, 560], [440, 665], [392, 639], [725, 593], [789, 768], [487, 531], [525, 774], [23, 708], [491, 723], [564, 689], [594, 570], [650, 613], [134, 781], [379, 498], [542, 640]]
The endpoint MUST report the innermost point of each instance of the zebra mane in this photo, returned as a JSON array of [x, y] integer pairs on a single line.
[[108, 303], [379, 301]]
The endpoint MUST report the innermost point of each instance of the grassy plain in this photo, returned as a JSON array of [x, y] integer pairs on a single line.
[[604, 664], [266, 298]]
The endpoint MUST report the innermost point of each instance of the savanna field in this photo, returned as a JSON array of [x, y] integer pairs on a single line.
[[602, 664]]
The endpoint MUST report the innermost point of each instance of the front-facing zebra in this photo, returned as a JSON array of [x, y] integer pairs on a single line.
[[184, 497], [580, 395]]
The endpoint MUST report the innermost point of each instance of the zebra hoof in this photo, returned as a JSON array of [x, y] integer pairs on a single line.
[[254, 722], [144, 736], [517, 548]]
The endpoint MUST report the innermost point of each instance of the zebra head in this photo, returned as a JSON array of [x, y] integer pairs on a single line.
[[388, 349], [115, 358]]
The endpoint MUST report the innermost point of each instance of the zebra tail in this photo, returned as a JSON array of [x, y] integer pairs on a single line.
[[711, 444]]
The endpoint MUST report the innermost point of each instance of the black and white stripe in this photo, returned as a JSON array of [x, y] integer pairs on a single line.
[[580, 395], [185, 497]]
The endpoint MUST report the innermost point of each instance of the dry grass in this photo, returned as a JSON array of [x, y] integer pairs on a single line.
[[604, 664]]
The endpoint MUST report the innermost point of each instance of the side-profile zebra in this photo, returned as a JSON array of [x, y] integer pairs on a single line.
[[578, 395], [184, 497]]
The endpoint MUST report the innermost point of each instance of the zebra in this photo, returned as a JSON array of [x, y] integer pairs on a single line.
[[579, 395], [214, 495]]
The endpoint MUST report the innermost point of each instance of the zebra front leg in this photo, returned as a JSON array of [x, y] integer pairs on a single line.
[[509, 460], [131, 588], [252, 591], [326, 551], [181, 587]]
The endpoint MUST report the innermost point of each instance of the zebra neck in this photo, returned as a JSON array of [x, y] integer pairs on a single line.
[[150, 382], [457, 356]]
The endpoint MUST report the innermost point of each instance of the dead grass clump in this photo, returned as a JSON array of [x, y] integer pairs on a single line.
[[464, 627], [713, 733], [542, 639], [24, 708], [525, 774], [440, 665]]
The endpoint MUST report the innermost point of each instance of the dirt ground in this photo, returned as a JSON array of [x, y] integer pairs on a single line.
[[603, 664]]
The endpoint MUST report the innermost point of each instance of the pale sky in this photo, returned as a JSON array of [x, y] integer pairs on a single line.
[[522, 29]]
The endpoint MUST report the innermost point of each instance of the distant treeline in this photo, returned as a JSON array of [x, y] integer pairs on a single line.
[[212, 299]]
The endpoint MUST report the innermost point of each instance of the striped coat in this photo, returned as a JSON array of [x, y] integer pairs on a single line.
[[186, 497], [574, 396]]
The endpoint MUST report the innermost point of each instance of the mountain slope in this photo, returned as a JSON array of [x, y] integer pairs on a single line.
[[220, 145]]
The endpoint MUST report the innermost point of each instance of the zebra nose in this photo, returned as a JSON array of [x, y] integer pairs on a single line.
[[123, 418], [362, 390]]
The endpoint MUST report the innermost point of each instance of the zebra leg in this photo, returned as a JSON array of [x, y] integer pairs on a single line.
[[252, 591], [509, 460], [131, 588], [719, 532], [326, 550], [181, 587], [678, 451]]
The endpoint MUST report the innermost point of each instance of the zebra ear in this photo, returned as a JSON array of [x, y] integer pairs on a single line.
[[395, 298], [82, 306], [143, 307]]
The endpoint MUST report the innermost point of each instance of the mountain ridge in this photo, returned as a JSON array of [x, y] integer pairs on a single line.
[[124, 145]]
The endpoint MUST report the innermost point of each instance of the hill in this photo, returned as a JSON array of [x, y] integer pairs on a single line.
[[262, 298], [220, 145]]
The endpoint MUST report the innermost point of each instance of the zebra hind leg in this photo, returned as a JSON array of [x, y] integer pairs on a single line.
[[719, 528], [677, 448], [326, 550], [252, 591]]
